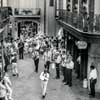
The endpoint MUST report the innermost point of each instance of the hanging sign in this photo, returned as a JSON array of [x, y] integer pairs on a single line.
[[81, 44]]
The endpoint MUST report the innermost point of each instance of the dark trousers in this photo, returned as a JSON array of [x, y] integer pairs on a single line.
[[36, 62], [69, 77], [21, 55], [92, 87], [6, 68], [64, 73], [57, 70], [78, 71], [47, 65]]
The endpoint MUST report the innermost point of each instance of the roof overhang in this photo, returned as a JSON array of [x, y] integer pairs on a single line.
[[86, 36]]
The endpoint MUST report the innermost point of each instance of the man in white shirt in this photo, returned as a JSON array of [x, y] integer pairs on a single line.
[[58, 62], [47, 58], [35, 56], [93, 80], [69, 66], [63, 64], [44, 76]]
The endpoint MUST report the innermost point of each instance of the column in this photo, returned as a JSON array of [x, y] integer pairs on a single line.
[[91, 14], [97, 7], [64, 4], [71, 2], [4, 3]]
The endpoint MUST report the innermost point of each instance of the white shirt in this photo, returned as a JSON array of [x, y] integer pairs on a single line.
[[58, 60], [35, 54], [6, 78], [70, 65], [47, 56], [63, 63], [93, 74], [44, 76], [16, 45]]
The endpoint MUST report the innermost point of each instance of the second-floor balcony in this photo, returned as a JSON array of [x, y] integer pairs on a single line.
[[85, 23], [4, 16], [27, 12]]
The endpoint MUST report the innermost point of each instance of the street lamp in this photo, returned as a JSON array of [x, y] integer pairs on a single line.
[[44, 16]]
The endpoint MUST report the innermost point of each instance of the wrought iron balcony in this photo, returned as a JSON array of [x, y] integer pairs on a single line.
[[27, 12], [81, 22], [4, 16]]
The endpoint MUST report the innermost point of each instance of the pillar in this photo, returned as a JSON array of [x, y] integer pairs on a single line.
[[97, 7]]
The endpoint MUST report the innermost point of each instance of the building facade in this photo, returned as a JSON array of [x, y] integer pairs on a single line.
[[80, 20]]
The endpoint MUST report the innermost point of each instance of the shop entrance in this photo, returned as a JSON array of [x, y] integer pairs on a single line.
[[80, 56]]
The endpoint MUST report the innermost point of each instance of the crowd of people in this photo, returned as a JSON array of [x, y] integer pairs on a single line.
[[38, 45]]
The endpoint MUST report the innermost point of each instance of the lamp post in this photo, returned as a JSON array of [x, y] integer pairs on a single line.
[[44, 16]]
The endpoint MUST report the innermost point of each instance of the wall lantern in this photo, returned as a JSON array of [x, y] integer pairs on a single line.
[[81, 44]]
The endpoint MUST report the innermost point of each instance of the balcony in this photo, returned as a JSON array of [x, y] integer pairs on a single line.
[[80, 22], [27, 13], [4, 16]]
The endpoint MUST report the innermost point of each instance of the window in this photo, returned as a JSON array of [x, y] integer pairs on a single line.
[[51, 2]]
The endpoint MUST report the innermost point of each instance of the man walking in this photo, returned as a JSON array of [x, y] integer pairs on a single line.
[[35, 56], [21, 49], [44, 76], [47, 58]]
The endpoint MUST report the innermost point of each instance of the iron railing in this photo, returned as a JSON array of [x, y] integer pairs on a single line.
[[27, 11], [80, 21], [4, 16]]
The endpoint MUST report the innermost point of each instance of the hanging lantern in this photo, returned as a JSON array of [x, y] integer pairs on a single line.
[[81, 44]]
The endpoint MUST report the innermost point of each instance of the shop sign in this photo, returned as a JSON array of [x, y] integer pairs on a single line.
[[81, 44]]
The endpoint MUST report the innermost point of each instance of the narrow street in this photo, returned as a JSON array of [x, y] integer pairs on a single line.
[[28, 87]]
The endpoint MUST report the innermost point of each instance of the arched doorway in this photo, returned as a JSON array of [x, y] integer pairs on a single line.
[[27, 28]]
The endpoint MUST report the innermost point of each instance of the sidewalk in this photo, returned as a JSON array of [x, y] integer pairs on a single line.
[[80, 92]]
